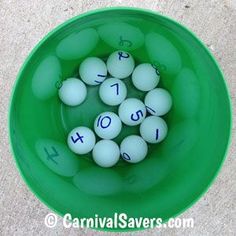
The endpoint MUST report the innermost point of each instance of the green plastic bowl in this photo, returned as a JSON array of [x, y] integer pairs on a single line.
[[175, 173]]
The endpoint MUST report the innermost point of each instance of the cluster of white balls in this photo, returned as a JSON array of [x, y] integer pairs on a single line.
[[131, 111]]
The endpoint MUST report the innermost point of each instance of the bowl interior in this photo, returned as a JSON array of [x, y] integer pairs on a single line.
[[176, 171]]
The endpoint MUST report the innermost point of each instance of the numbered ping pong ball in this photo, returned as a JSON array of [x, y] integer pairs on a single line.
[[112, 91], [120, 64], [132, 111], [145, 77], [133, 149], [107, 125], [72, 92], [153, 129], [81, 140], [93, 71], [158, 102], [106, 153]]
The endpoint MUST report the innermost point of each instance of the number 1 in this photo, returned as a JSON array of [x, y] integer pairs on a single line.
[[157, 134], [149, 108]]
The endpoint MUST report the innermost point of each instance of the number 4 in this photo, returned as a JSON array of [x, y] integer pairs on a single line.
[[78, 138]]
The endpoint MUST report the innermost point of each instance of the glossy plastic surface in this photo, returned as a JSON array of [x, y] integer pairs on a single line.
[[175, 173]]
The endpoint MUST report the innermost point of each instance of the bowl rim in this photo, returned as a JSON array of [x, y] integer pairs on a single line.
[[92, 12]]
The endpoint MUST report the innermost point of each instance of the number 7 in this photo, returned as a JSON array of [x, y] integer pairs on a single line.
[[117, 88]]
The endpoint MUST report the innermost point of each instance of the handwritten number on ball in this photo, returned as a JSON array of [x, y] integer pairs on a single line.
[[126, 156], [78, 138], [100, 76], [150, 109], [157, 134], [104, 122], [123, 55], [117, 88], [137, 115], [98, 82]]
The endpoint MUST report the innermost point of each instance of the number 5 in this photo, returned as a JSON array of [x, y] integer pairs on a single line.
[[138, 114]]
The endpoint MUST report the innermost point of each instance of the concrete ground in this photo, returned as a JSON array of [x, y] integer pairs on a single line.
[[23, 23]]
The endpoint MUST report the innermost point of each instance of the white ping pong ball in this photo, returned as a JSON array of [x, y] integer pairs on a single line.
[[120, 64], [158, 102], [133, 149], [106, 153], [81, 140], [132, 111], [107, 125], [153, 129], [72, 92], [112, 91], [145, 77], [93, 71]]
